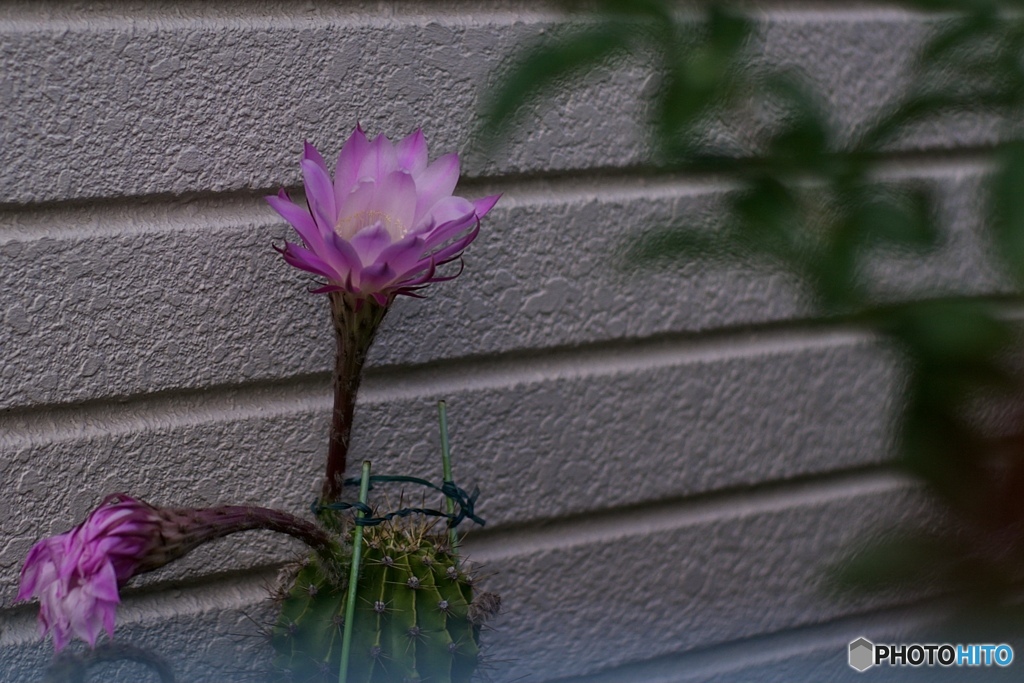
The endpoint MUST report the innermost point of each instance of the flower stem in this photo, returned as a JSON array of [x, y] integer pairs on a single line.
[[355, 325], [353, 580], [187, 528]]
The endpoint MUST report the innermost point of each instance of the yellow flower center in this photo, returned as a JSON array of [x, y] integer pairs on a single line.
[[348, 227]]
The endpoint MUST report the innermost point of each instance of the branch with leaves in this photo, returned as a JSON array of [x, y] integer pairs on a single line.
[[812, 202]]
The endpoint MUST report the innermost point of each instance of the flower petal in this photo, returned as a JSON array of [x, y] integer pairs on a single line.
[[426, 274], [40, 568], [381, 160], [326, 289], [396, 199], [455, 249], [104, 584], [61, 635], [450, 209], [377, 276], [371, 241], [304, 259], [450, 230], [84, 616], [350, 159], [320, 194], [402, 256], [437, 181], [311, 153], [412, 152], [353, 215], [485, 204], [298, 217]]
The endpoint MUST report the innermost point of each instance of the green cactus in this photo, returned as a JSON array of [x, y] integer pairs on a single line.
[[415, 615]]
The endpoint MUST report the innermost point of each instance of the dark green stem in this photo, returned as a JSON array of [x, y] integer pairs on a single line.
[[355, 325]]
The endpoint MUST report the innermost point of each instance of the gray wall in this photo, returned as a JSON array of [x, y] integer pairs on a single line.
[[668, 458]]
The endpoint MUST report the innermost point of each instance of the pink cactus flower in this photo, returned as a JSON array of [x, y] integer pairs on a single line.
[[76, 575], [386, 221]]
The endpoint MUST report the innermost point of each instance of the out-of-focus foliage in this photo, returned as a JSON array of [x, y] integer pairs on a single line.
[[810, 200]]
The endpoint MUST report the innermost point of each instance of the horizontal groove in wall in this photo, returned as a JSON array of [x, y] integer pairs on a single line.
[[385, 384], [34, 16], [608, 359], [208, 160], [29, 16], [233, 591], [242, 589], [146, 215], [715, 581], [744, 656], [165, 213], [96, 312], [123, 215], [155, 214], [143, 213], [652, 518], [538, 450], [57, 422]]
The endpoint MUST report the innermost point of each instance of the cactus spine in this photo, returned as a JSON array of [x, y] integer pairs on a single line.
[[415, 616]]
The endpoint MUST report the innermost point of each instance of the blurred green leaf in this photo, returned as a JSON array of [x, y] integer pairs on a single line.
[[681, 243], [546, 64], [901, 218], [953, 349], [949, 331], [659, 10], [889, 125], [935, 445], [768, 219], [728, 29], [961, 33], [833, 273], [809, 202], [801, 141], [973, 63], [950, 5], [904, 560], [1008, 207]]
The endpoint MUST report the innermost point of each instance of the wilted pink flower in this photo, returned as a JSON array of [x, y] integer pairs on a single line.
[[76, 575], [386, 221]]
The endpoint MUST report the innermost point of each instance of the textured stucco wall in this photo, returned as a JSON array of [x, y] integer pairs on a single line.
[[667, 458]]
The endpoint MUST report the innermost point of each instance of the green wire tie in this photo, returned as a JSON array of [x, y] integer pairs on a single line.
[[463, 503], [459, 505]]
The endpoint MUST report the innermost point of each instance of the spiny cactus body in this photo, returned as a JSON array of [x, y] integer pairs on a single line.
[[415, 618]]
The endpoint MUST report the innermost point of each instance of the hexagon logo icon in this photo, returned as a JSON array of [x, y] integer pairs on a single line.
[[862, 654]]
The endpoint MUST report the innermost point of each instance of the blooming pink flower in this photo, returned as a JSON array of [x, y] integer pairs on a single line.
[[76, 574], [386, 221]]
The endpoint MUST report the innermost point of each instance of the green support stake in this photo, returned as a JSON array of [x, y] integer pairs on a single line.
[[446, 462], [353, 577]]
